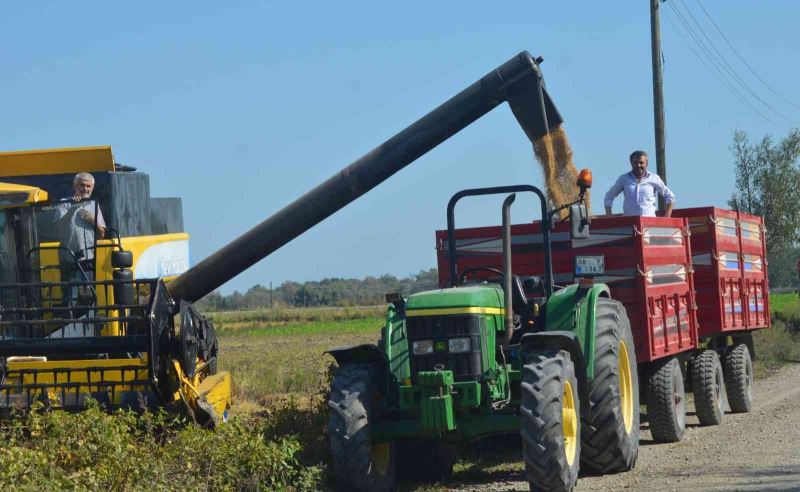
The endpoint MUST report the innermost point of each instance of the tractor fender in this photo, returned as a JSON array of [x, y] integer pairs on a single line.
[[567, 341], [367, 353]]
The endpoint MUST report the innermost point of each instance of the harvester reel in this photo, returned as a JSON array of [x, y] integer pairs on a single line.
[[187, 345]]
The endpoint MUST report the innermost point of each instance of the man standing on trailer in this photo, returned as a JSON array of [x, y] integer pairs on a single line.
[[640, 189]]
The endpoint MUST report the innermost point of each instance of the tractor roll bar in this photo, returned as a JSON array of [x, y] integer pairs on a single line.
[[452, 251], [518, 81]]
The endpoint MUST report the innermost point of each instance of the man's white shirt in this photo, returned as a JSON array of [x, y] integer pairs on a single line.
[[639, 194]]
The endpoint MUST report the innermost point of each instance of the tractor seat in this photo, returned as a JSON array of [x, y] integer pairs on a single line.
[[533, 286]]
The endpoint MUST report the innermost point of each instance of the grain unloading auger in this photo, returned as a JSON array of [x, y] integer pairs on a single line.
[[518, 82]]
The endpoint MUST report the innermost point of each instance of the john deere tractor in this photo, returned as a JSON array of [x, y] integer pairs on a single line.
[[507, 355]]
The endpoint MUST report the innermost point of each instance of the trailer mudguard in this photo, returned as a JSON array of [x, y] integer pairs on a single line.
[[567, 341], [367, 353]]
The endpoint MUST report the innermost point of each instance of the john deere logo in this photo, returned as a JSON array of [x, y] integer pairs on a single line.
[[440, 346]]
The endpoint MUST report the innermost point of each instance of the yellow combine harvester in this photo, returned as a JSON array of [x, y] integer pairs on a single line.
[[84, 305]]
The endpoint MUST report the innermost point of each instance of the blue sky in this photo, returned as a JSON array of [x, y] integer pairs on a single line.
[[240, 107]]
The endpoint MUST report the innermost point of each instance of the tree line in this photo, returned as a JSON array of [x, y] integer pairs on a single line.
[[768, 184], [368, 291]]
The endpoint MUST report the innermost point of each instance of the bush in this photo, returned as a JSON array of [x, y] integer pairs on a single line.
[[125, 451]]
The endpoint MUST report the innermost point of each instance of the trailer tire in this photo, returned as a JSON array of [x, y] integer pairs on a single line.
[[425, 460], [550, 421], [357, 464], [739, 378], [708, 386], [610, 436], [666, 401]]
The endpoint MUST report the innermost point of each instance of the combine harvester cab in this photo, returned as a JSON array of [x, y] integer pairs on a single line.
[[98, 322]]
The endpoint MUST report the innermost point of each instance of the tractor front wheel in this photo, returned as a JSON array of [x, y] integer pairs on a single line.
[[739, 378], [357, 463], [666, 401], [708, 386], [550, 421]]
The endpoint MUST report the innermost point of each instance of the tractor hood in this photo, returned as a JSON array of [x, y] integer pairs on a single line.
[[478, 296]]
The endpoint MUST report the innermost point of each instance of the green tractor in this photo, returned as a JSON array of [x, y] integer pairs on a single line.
[[482, 358]]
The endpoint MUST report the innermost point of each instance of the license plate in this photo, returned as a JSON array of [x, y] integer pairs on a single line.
[[589, 265]]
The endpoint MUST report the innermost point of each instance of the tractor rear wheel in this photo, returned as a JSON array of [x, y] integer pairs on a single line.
[[666, 401], [357, 463], [610, 438], [425, 460], [708, 386], [550, 421], [739, 378]]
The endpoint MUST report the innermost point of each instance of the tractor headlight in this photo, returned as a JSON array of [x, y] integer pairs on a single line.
[[458, 345], [422, 347]]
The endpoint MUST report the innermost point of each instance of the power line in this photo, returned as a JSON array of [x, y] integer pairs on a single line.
[[741, 58], [718, 74], [728, 68]]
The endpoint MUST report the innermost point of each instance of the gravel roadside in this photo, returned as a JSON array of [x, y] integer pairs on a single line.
[[759, 450]]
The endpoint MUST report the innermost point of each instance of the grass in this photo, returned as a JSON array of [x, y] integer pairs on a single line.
[[270, 360], [781, 343]]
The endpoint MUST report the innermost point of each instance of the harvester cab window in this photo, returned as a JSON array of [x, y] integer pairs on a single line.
[[8, 258], [63, 248]]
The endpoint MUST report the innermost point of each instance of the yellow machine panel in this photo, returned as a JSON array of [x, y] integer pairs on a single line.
[[15, 195], [56, 161]]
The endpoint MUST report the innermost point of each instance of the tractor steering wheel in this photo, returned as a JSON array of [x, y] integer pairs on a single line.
[[463, 277]]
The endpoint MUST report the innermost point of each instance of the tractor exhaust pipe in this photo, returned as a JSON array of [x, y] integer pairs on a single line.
[[508, 299], [518, 81]]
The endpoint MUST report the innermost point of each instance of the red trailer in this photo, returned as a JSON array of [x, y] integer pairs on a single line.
[[685, 282], [732, 295]]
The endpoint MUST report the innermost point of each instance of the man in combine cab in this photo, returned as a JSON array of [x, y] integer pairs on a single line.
[[640, 188], [80, 223]]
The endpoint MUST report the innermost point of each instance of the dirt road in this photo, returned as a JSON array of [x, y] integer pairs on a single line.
[[755, 451]]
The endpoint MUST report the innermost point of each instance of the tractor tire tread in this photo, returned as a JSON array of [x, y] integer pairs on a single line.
[[348, 430], [544, 375], [606, 447]]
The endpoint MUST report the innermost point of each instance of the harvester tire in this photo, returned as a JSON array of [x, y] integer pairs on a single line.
[[666, 401], [708, 386], [610, 436], [739, 378], [425, 460], [550, 421], [356, 463]]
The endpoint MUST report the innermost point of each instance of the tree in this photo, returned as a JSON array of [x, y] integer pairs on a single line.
[[768, 184]]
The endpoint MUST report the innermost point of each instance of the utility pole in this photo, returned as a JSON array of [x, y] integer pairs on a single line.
[[658, 96]]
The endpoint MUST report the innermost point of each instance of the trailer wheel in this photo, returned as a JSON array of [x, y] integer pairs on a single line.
[[666, 402], [708, 386], [550, 421], [739, 378], [425, 460], [610, 438], [357, 463]]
